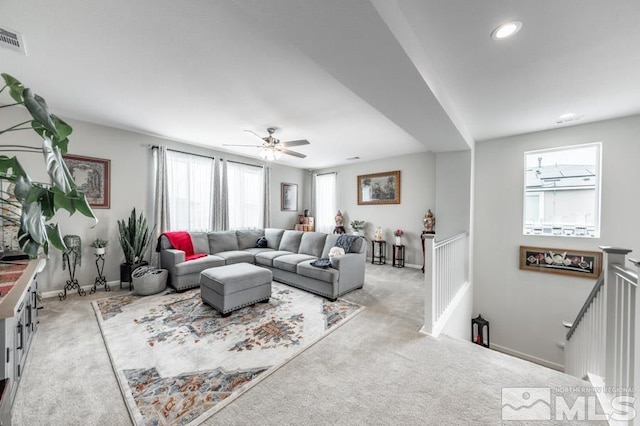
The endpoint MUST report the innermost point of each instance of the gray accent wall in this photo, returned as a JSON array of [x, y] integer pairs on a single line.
[[418, 187], [131, 186], [526, 308]]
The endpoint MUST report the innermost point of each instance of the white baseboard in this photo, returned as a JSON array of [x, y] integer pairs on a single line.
[[527, 357], [54, 293]]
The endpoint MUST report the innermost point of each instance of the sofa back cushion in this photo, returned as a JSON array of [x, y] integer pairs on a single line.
[[329, 243], [220, 241], [247, 238], [273, 236], [290, 240], [200, 242], [312, 243]]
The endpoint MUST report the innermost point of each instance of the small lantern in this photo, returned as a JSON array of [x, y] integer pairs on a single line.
[[478, 333]]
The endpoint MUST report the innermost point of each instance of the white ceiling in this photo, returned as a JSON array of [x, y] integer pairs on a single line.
[[367, 78]]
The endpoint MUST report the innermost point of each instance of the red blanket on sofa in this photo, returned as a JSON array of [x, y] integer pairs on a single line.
[[181, 240]]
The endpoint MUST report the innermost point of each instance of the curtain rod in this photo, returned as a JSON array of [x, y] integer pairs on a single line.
[[205, 156], [328, 173]]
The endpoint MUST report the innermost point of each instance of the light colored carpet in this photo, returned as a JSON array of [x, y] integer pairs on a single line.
[[375, 370], [179, 361]]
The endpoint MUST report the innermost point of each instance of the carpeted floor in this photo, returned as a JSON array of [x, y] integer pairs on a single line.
[[375, 370]]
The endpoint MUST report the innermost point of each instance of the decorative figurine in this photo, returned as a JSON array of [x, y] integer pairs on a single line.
[[339, 219], [378, 234], [429, 222]]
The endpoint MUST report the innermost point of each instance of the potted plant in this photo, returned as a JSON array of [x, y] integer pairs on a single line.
[[135, 239], [398, 233], [37, 202], [100, 245], [357, 226]]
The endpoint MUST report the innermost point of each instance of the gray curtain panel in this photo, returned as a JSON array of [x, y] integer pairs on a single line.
[[220, 196], [161, 207], [267, 197]]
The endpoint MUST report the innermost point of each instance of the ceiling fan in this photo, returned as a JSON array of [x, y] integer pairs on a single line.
[[272, 148]]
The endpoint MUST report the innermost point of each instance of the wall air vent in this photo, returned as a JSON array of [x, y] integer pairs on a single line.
[[12, 40]]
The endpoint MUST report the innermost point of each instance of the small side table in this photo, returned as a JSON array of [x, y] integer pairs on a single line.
[[100, 279], [398, 255], [381, 257]]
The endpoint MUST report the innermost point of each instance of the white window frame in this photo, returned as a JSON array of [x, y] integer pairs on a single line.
[[559, 229]]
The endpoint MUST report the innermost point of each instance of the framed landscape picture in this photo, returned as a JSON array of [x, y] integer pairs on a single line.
[[92, 178], [289, 197], [586, 264], [379, 188]]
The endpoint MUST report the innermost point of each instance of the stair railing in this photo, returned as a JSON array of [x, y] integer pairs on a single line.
[[446, 274], [604, 340]]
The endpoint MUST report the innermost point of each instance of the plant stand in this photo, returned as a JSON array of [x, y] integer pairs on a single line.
[[72, 282], [100, 279], [126, 270]]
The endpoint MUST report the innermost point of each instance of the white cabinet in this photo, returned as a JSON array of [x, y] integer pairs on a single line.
[[18, 323]]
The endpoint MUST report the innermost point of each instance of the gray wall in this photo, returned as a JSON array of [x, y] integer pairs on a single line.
[[526, 308], [453, 192], [131, 165], [418, 187]]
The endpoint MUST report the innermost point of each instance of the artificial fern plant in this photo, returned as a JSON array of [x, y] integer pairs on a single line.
[[134, 237], [35, 203]]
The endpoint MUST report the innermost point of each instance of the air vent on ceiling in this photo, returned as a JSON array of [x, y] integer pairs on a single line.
[[12, 40]]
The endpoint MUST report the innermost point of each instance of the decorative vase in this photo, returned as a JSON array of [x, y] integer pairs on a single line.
[[398, 241], [100, 250]]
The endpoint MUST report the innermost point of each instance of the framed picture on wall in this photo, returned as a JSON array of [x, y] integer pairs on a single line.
[[289, 197], [379, 188], [92, 178], [586, 264]]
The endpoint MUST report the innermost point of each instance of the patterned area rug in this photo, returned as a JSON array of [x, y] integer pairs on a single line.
[[178, 361]]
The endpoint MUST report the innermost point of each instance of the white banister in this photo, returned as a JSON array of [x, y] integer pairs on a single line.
[[603, 342], [446, 273]]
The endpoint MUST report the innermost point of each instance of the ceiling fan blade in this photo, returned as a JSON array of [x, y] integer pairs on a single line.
[[233, 144], [295, 143], [254, 133], [289, 152]]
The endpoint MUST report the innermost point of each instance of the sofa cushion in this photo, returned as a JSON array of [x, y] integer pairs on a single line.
[[312, 243], [273, 236], [256, 250], [329, 243], [200, 242], [236, 256], [290, 241], [247, 237], [289, 262], [222, 241], [198, 265], [266, 258], [329, 275]]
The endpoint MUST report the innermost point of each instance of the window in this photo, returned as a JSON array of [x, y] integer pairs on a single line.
[[189, 180], [246, 196], [325, 201], [562, 191]]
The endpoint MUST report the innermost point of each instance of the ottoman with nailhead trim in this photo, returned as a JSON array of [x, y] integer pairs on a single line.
[[235, 286]]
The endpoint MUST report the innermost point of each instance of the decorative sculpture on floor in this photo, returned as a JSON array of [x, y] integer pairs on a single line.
[[429, 222]]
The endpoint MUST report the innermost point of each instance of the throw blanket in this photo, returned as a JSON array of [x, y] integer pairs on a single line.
[[345, 242], [181, 240]]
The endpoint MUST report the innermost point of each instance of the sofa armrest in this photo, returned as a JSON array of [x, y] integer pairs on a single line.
[[351, 267], [169, 258]]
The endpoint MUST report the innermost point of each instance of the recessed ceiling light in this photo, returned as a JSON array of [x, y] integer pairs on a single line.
[[506, 30], [568, 117]]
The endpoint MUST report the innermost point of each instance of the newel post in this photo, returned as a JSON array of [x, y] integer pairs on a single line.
[[612, 255], [429, 281], [636, 348]]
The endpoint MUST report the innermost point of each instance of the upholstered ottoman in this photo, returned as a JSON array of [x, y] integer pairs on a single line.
[[235, 286]]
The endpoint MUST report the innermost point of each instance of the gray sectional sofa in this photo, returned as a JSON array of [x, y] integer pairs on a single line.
[[288, 255]]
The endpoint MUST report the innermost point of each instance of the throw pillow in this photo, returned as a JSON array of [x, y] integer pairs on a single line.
[[336, 251], [261, 243]]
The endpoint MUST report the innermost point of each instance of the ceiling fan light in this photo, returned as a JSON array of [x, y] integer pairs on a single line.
[[506, 30]]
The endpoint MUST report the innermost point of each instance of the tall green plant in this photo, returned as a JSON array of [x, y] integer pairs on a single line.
[[38, 202], [134, 237]]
